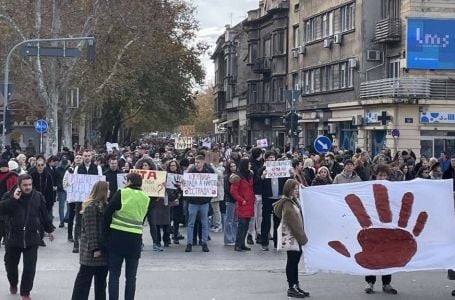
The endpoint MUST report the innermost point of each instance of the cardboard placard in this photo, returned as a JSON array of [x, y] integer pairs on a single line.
[[80, 186], [263, 143], [278, 168], [200, 184], [153, 182], [183, 143]]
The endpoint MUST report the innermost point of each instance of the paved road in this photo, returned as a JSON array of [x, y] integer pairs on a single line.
[[220, 274]]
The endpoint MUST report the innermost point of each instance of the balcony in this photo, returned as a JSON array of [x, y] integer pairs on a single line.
[[405, 87], [408, 87], [388, 30], [266, 109], [262, 65]]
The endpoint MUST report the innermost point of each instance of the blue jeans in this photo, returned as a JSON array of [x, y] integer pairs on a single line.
[[115, 262], [193, 210], [61, 196], [230, 224]]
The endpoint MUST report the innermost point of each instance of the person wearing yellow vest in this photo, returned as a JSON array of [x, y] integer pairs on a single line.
[[124, 218]]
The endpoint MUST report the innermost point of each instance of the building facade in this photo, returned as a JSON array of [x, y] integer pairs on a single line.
[[369, 74], [356, 85]]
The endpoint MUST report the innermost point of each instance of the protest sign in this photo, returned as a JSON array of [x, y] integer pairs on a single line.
[[200, 184], [172, 180], [187, 130], [183, 143], [110, 147], [207, 143], [262, 143], [121, 180], [278, 168], [80, 186], [379, 227], [153, 182]]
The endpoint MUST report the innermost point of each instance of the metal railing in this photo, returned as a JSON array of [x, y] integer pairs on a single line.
[[388, 30], [262, 65], [404, 87]]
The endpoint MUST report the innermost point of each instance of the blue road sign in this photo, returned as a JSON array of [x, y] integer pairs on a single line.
[[322, 144], [41, 126]]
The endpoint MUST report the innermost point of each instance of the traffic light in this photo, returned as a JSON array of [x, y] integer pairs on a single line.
[[291, 121], [91, 50], [9, 122]]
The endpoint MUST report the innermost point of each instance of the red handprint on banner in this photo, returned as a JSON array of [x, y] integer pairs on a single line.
[[382, 247]]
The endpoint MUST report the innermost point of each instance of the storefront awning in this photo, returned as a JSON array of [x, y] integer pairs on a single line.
[[309, 121], [226, 122], [343, 119]]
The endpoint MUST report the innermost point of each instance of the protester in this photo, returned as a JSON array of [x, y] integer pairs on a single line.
[[27, 212], [348, 175], [322, 177], [124, 216], [231, 221], [7, 181], [289, 211], [93, 257], [243, 194], [198, 205], [382, 173]]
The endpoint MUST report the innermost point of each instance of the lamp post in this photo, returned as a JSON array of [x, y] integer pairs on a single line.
[[6, 71]]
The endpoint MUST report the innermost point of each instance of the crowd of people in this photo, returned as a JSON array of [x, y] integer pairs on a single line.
[[248, 207]]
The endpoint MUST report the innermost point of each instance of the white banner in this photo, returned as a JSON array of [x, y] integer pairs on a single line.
[[278, 168], [379, 227], [80, 186], [110, 147], [200, 184]]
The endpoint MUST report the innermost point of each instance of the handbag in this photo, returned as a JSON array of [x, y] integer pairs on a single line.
[[285, 240]]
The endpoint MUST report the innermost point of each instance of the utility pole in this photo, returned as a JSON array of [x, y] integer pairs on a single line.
[[6, 71]]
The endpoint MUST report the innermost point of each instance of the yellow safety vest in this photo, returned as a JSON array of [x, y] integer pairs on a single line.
[[130, 217]]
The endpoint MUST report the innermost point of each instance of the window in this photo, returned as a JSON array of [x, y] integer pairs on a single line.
[[278, 90], [266, 92], [252, 52], [317, 80], [390, 9], [252, 93], [279, 43], [334, 21], [343, 75], [296, 36], [328, 78], [325, 25], [295, 80], [267, 48], [393, 68]]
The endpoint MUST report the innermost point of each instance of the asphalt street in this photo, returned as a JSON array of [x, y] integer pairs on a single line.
[[220, 274]]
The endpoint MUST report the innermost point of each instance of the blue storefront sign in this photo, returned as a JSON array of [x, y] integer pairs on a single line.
[[430, 44], [437, 117]]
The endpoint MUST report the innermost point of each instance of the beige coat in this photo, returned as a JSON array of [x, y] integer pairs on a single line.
[[290, 212]]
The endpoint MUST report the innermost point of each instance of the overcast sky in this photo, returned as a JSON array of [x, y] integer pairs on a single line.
[[213, 15]]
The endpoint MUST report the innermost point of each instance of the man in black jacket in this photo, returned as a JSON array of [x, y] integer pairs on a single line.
[[27, 213], [450, 172], [43, 183], [111, 175]]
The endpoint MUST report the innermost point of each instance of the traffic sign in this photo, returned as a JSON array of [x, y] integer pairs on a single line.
[[395, 133], [322, 144], [41, 126]]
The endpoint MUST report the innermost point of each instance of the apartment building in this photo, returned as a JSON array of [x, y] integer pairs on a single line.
[[377, 73], [267, 30], [231, 89]]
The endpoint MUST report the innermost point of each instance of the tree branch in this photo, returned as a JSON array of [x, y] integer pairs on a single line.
[[115, 67], [11, 22], [132, 115]]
